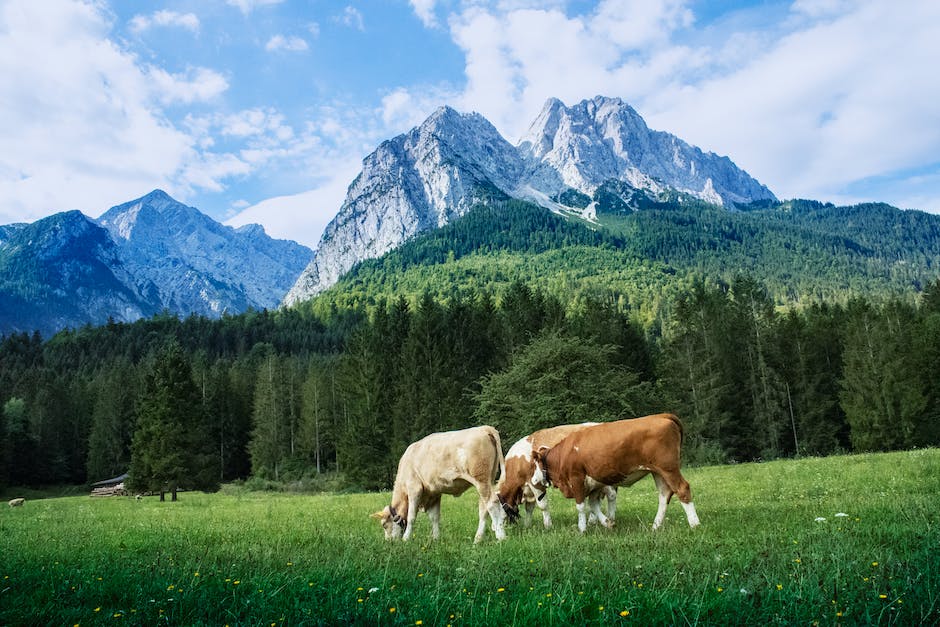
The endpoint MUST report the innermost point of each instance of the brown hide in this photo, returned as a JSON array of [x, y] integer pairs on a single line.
[[618, 452], [520, 464]]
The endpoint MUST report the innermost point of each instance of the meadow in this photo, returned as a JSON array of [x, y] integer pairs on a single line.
[[838, 540]]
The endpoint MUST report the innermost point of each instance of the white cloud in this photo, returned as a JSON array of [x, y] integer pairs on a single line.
[[289, 44], [811, 106], [424, 9], [195, 85], [351, 17], [83, 123], [247, 6], [188, 21]]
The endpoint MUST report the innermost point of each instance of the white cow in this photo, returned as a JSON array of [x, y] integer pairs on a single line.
[[445, 463]]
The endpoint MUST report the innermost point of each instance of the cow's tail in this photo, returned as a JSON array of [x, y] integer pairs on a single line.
[[494, 438], [678, 423]]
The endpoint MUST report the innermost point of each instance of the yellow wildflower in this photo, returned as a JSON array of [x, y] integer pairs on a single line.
[[391, 610], [625, 613]]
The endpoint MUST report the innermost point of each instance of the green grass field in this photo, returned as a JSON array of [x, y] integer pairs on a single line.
[[760, 557]]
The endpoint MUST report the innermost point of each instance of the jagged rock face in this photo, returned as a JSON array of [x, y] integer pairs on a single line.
[[604, 139], [187, 262], [420, 180], [61, 271], [438, 171], [141, 257]]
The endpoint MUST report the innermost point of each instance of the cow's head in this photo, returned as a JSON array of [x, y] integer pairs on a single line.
[[510, 505], [540, 476], [392, 523]]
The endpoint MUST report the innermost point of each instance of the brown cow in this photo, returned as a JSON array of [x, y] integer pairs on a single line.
[[445, 463], [618, 453], [516, 485]]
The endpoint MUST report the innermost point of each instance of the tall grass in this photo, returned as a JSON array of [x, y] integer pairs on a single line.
[[761, 556]]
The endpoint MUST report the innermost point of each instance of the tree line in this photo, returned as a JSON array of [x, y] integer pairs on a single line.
[[289, 396]]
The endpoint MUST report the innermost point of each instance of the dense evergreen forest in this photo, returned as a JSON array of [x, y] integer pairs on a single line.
[[300, 396]]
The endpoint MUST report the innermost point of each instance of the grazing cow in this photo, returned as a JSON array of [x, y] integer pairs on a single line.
[[516, 484], [618, 453], [16, 502], [445, 463]]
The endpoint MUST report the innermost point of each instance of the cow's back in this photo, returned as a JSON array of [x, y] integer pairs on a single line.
[[607, 452], [443, 462]]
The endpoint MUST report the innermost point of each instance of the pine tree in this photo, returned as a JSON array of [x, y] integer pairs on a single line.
[[169, 445]]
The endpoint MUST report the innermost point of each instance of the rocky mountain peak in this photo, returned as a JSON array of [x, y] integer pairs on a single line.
[[426, 177]]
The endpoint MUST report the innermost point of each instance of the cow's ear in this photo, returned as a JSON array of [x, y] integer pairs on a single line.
[[379, 515]]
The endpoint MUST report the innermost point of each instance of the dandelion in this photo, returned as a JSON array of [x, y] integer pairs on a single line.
[[359, 600], [880, 596], [420, 574], [600, 608], [360, 589], [391, 610], [798, 561], [839, 614], [721, 589], [501, 589], [290, 563], [170, 587], [116, 615], [97, 609], [625, 613], [549, 594], [874, 564], [419, 622], [236, 582], [196, 574]]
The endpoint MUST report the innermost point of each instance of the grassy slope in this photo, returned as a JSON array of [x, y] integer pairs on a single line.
[[760, 556]]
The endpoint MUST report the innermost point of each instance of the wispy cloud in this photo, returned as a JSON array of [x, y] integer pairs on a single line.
[[188, 21], [286, 43], [247, 6], [351, 17]]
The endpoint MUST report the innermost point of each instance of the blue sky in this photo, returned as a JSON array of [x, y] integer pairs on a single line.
[[262, 110]]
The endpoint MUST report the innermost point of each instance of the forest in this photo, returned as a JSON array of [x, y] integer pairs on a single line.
[[333, 398]]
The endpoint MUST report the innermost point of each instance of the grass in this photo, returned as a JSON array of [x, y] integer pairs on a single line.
[[760, 556]]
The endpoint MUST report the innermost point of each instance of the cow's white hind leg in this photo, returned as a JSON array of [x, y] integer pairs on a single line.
[[594, 501], [498, 516], [664, 493], [690, 514], [611, 493], [434, 513]]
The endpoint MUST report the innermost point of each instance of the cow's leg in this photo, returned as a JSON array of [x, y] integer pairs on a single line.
[[611, 493], [543, 505], [412, 514], [527, 513], [582, 516], [434, 513], [680, 487], [498, 516], [594, 501], [665, 493]]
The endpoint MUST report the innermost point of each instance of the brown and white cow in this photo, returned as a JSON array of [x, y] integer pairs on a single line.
[[618, 453], [445, 463], [516, 484]]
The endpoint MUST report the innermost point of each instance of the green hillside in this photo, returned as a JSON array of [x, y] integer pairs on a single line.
[[802, 251]]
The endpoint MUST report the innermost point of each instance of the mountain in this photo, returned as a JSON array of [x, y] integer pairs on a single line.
[[436, 172], [604, 139], [138, 258], [60, 271], [188, 262], [417, 181]]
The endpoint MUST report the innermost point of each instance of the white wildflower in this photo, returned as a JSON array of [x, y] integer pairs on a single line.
[[842, 515], [820, 519]]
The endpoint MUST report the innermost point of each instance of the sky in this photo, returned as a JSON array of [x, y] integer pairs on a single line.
[[261, 111]]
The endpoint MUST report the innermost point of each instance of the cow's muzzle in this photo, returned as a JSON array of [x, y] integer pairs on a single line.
[[397, 518], [512, 512]]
